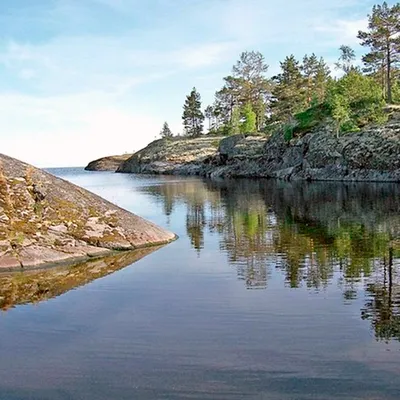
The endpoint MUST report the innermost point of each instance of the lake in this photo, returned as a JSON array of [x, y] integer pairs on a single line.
[[272, 291]]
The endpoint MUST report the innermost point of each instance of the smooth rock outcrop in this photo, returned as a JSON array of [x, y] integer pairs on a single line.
[[176, 156], [110, 163], [45, 220]]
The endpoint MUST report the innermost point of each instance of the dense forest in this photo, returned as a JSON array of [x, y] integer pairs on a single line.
[[305, 94]]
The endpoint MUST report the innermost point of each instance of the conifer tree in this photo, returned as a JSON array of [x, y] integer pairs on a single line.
[[321, 80], [346, 59], [310, 68], [235, 121], [246, 85], [289, 90], [192, 116], [209, 113], [165, 131], [383, 39]]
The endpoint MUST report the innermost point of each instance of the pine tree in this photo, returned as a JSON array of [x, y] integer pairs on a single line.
[[227, 98], [254, 87], [209, 113], [374, 66], [165, 131], [383, 39], [310, 68], [317, 75], [346, 59], [192, 116], [247, 84], [235, 122], [321, 80], [289, 90]]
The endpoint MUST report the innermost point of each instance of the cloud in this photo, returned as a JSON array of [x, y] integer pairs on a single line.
[[89, 63], [342, 31]]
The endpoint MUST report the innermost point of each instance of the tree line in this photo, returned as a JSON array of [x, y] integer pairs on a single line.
[[304, 92]]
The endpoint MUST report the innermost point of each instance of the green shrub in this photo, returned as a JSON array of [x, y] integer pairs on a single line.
[[288, 132]]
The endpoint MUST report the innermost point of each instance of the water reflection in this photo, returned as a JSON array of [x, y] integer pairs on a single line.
[[316, 235], [39, 285]]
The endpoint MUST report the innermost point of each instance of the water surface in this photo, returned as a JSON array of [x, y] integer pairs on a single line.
[[273, 291]]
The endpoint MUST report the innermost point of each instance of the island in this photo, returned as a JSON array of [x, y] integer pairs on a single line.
[[109, 163]]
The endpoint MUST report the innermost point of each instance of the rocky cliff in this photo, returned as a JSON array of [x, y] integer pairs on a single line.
[[372, 154], [110, 163], [46, 220]]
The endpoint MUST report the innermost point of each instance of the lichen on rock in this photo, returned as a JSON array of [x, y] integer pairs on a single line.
[[46, 220]]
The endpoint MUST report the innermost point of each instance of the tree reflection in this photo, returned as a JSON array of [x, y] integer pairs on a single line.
[[383, 305], [315, 234], [195, 223]]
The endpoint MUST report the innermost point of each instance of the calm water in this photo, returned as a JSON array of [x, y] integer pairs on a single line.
[[273, 291]]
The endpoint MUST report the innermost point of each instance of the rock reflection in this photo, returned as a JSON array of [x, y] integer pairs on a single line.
[[39, 285], [315, 234]]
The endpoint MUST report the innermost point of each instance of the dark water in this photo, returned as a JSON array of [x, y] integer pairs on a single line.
[[273, 291]]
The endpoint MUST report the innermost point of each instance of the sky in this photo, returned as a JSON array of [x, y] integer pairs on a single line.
[[82, 79]]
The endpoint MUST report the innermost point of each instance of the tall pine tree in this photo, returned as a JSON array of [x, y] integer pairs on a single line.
[[383, 39], [192, 116]]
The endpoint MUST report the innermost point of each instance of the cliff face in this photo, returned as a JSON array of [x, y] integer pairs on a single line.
[[110, 163], [370, 155], [46, 220]]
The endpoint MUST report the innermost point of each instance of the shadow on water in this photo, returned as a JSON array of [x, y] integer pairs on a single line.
[[316, 235], [40, 285]]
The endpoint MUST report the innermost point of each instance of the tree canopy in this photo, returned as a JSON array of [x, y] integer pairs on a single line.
[[304, 93]]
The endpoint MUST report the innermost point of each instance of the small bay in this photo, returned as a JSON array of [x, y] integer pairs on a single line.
[[274, 290]]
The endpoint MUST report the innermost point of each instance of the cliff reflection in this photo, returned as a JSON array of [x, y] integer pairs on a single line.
[[314, 234]]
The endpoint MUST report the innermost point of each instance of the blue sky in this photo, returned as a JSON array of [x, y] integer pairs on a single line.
[[80, 79]]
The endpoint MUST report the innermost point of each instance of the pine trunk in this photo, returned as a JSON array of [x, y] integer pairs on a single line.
[[389, 86]]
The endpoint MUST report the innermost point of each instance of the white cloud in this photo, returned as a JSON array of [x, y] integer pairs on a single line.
[[89, 63], [342, 31]]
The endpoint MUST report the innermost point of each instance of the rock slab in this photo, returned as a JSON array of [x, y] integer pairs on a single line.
[[110, 163], [45, 220]]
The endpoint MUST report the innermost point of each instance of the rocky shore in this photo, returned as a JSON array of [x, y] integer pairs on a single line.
[[110, 163], [45, 220], [372, 154]]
